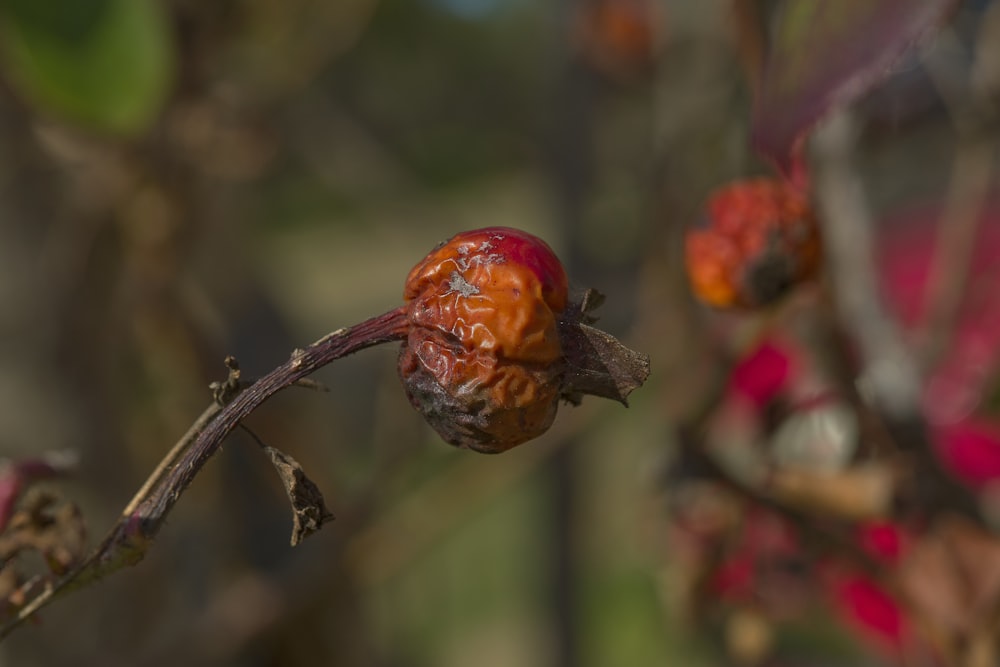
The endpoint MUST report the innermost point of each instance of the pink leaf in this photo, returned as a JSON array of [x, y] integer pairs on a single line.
[[826, 53], [18, 475], [905, 255], [883, 540], [971, 450], [868, 607], [11, 485], [762, 374], [734, 578]]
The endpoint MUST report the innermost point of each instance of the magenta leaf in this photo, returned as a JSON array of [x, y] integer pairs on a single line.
[[869, 608], [905, 253], [734, 578], [971, 450], [827, 53], [15, 476], [762, 374], [883, 540]]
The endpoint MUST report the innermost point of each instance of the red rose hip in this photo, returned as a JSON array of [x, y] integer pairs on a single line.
[[482, 361], [762, 239]]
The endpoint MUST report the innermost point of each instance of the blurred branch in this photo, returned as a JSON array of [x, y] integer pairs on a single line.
[[974, 113], [133, 533], [889, 379], [971, 177], [751, 38], [572, 173], [890, 375], [819, 535], [822, 534]]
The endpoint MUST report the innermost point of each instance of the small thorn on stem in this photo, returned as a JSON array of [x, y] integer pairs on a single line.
[[224, 392]]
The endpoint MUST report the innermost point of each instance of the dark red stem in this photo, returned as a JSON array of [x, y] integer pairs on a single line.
[[130, 537], [385, 328]]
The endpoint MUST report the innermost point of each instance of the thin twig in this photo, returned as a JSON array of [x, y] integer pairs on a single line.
[[172, 456], [131, 536]]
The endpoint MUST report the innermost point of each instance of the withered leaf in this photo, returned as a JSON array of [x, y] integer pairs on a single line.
[[16, 476], [309, 511], [952, 576], [591, 301], [41, 524], [55, 530], [857, 493], [598, 364]]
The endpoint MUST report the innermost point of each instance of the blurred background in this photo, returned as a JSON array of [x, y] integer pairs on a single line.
[[182, 180]]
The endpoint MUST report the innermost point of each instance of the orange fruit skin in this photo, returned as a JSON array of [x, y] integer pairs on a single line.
[[762, 239], [482, 360]]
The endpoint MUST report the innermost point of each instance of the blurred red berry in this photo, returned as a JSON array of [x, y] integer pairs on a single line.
[[970, 450], [874, 612], [762, 239], [734, 578], [619, 37], [763, 373], [883, 540], [483, 360]]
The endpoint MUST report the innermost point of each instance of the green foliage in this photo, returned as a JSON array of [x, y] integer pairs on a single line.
[[106, 65]]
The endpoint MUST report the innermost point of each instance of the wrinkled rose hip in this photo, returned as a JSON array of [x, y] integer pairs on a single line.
[[482, 361], [761, 240]]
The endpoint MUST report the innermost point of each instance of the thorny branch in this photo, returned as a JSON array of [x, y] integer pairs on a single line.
[[131, 536]]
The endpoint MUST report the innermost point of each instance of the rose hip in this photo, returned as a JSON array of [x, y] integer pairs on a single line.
[[762, 239], [483, 361]]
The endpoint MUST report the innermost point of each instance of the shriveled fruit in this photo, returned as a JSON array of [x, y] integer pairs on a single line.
[[761, 240], [482, 361]]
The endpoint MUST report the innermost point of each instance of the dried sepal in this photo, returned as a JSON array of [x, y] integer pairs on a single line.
[[597, 363]]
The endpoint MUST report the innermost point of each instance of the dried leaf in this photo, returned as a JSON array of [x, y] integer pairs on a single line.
[[16, 476], [953, 576], [592, 300], [599, 365], [749, 636], [596, 362], [859, 493], [309, 511], [54, 530]]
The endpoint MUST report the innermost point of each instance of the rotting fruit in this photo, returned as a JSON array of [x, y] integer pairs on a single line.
[[482, 360], [761, 240]]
